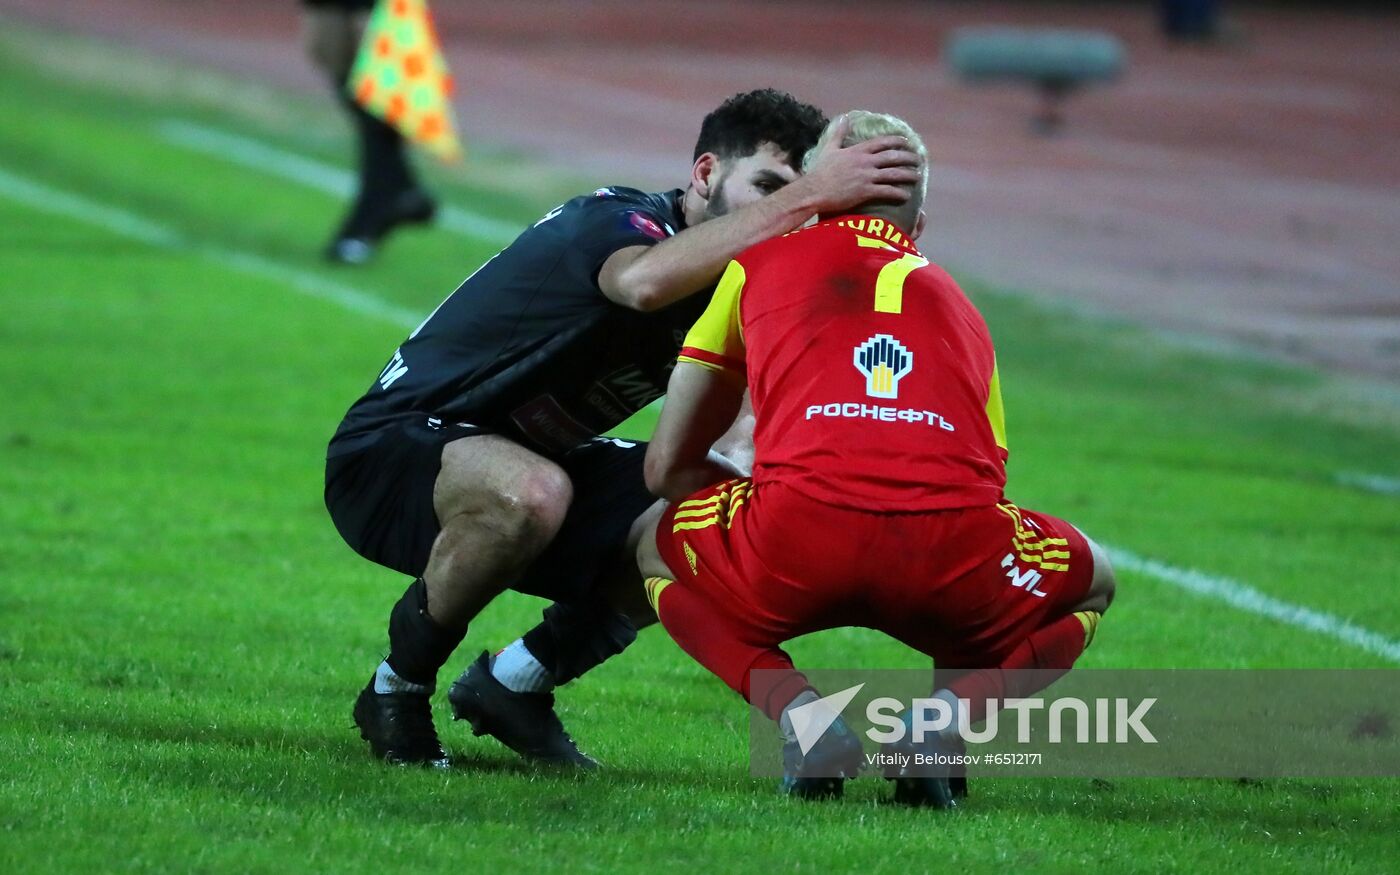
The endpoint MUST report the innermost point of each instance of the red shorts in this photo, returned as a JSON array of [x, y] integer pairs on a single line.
[[963, 586]]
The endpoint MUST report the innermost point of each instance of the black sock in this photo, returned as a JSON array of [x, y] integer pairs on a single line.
[[419, 646], [573, 638]]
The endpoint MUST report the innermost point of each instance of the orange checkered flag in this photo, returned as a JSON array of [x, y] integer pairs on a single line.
[[401, 77]]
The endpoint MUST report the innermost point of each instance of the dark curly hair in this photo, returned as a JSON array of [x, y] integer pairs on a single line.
[[744, 121]]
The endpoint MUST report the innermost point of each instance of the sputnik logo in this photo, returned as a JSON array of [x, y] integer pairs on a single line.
[[811, 721]]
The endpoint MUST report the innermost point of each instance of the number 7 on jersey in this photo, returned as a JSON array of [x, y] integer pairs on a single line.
[[889, 283]]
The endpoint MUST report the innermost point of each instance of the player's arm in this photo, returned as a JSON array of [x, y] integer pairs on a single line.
[[703, 398], [736, 445], [651, 277], [701, 404]]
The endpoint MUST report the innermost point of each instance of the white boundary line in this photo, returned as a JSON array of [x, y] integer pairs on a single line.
[[1376, 483], [310, 173], [51, 200], [1232, 592], [1247, 598], [125, 224], [313, 286]]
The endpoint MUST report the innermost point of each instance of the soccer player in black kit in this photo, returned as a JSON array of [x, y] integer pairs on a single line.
[[473, 462]]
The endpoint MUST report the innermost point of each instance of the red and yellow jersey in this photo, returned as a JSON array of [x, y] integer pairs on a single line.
[[873, 377]]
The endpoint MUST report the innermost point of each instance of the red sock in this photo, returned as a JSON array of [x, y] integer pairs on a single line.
[[777, 686], [724, 643], [1043, 658]]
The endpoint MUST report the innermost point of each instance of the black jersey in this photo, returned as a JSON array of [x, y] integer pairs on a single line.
[[528, 346]]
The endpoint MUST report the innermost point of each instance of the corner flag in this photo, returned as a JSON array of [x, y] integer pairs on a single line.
[[401, 77]]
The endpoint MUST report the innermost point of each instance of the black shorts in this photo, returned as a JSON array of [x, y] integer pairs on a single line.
[[380, 497]]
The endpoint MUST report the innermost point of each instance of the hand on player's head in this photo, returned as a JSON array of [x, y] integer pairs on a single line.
[[882, 169]]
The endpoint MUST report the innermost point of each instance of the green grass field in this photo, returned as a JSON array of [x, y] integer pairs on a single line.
[[183, 633]]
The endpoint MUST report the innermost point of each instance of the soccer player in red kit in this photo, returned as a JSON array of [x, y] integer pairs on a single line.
[[876, 495]]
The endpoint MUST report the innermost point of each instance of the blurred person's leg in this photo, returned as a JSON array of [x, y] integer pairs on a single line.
[[389, 193]]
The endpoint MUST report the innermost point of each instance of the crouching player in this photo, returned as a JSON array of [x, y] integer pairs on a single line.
[[876, 496]]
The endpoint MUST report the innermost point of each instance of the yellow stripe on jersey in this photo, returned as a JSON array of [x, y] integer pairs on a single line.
[[1044, 566], [654, 587], [1022, 540], [704, 502], [1090, 621], [695, 513], [701, 513], [1026, 546], [731, 488], [717, 331], [691, 525], [996, 413]]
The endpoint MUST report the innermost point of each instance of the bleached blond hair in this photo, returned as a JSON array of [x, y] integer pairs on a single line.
[[867, 126]]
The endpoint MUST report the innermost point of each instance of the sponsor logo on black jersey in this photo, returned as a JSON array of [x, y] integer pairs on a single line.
[[632, 387], [544, 422], [647, 225], [600, 399]]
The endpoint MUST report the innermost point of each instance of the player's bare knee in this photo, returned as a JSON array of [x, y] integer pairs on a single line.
[[531, 509], [1104, 583], [497, 486]]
